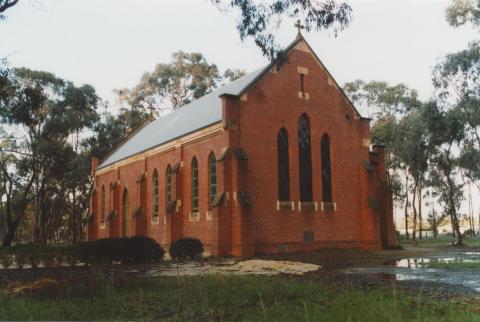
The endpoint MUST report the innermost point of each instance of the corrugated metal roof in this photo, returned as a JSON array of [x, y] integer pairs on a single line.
[[201, 113]]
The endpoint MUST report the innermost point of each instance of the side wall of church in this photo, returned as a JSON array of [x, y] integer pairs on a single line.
[[169, 225]]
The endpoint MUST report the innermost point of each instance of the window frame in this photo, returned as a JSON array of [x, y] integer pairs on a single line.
[[305, 159], [156, 195], [326, 166], [168, 185], [125, 211], [195, 185], [283, 168], [212, 176], [103, 204]]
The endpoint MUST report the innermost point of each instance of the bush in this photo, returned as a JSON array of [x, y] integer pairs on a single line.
[[102, 251], [142, 250], [185, 248], [21, 258], [136, 249], [6, 259]]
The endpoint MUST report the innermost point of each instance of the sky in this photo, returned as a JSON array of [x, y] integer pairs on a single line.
[[111, 43]]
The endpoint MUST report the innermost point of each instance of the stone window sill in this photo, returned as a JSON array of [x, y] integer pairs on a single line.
[[285, 205], [194, 216], [307, 206], [328, 206], [209, 215]]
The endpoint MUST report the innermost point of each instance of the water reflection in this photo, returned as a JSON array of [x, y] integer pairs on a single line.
[[461, 270]]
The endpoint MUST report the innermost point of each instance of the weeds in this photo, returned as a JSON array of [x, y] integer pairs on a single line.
[[227, 298]]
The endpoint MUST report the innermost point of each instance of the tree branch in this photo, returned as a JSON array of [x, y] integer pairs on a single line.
[[6, 4]]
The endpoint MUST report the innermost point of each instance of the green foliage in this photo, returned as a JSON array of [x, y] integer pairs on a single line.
[[110, 131], [5, 5], [126, 250], [46, 117], [171, 85], [103, 251], [461, 12], [185, 248], [381, 99], [233, 74], [258, 20]]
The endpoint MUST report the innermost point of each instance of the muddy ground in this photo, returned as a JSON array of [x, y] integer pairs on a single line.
[[393, 269]]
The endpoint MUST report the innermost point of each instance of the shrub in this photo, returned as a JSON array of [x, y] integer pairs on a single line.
[[102, 251], [50, 256], [141, 249], [21, 258], [185, 248], [6, 259], [125, 250]]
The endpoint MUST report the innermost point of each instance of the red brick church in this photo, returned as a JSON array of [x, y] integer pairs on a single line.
[[276, 161]]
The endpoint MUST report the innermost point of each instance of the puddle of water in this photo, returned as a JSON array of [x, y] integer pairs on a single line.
[[456, 270], [413, 263]]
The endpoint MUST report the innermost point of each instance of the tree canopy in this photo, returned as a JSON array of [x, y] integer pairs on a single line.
[[259, 20]]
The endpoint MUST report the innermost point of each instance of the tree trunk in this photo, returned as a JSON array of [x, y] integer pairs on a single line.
[[414, 232], [452, 209], [420, 209], [453, 226], [10, 235], [472, 217], [406, 207]]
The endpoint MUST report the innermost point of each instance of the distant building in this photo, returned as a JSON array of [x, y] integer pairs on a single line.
[[277, 161]]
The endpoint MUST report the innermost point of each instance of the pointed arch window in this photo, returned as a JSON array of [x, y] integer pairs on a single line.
[[155, 194], [169, 184], [326, 169], [103, 206], [125, 208], [283, 166], [212, 161], [305, 159], [194, 184]]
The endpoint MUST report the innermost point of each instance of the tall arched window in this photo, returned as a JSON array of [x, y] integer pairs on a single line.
[[194, 184], [305, 159], [169, 184], [125, 208], [326, 169], [155, 193], [212, 162], [283, 166], [103, 206]]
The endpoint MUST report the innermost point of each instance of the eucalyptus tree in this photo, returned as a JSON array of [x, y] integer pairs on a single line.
[[387, 105], [457, 82], [45, 117], [5, 5], [414, 151], [232, 74], [382, 99], [446, 134], [171, 85], [259, 19], [461, 12]]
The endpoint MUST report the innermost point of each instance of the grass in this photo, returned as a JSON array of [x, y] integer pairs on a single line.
[[454, 263], [440, 242], [229, 298]]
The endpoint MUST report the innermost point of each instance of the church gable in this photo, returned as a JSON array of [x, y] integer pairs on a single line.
[[304, 80]]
